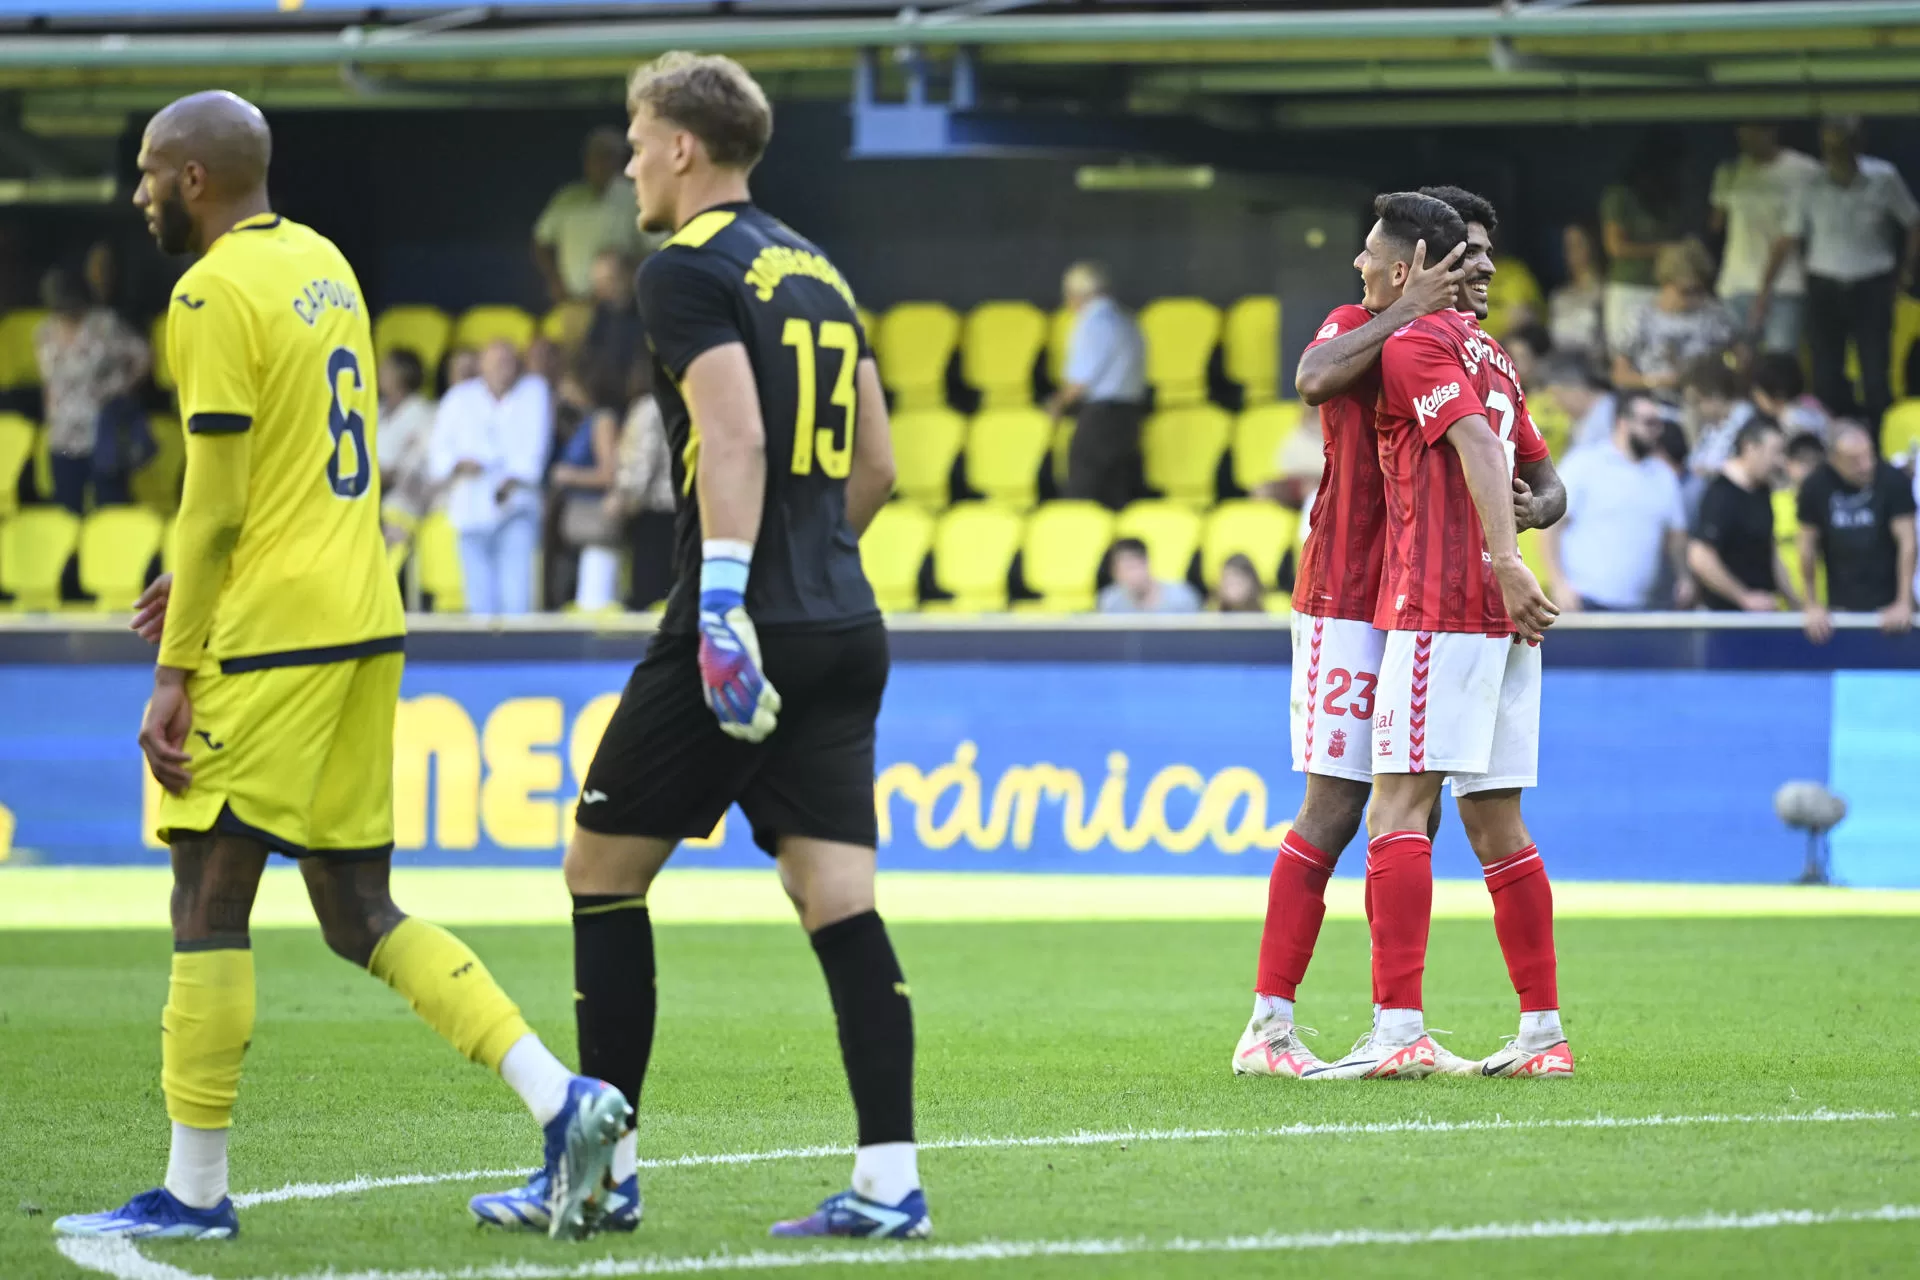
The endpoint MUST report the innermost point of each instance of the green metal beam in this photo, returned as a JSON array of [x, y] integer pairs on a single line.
[[1566, 109], [394, 45]]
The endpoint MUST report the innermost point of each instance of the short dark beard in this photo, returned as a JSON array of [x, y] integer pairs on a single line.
[[1640, 449], [173, 225]]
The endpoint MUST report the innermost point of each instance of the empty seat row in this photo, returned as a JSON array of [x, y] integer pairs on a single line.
[[116, 546], [1061, 546], [1003, 452], [155, 485]]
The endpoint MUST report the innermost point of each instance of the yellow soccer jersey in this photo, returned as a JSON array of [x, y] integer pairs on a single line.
[[268, 336]]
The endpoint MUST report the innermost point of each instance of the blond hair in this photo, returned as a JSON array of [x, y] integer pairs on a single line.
[[1685, 263], [710, 96]]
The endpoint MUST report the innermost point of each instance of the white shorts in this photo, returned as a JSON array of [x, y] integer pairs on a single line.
[[1466, 705], [1336, 667]]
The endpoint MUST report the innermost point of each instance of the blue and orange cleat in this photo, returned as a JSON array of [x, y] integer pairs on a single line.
[[847, 1214], [579, 1157], [526, 1207], [155, 1215]]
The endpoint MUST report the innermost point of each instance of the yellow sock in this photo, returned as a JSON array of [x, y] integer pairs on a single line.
[[206, 1026], [448, 986]]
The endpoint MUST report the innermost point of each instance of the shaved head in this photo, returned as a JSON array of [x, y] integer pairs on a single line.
[[203, 161]]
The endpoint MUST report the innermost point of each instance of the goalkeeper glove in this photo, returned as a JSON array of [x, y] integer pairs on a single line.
[[738, 693]]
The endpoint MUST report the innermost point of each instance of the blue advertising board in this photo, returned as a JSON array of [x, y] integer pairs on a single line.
[[1168, 768]]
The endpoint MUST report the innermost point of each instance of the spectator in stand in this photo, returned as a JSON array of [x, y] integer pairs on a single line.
[[1684, 323], [587, 218], [1806, 454], [1844, 222], [106, 282], [490, 443], [642, 498], [1780, 392], [1624, 514], [1106, 388], [1857, 512], [1712, 411], [1134, 589], [89, 360], [1639, 217], [615, 342], [1732, 554], [405, 439], [1752, 197], [1575, 309], [1582, 392], [583, 476], [1240, 589], [1527, 346]]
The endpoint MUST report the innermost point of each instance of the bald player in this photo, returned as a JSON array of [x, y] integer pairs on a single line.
[[280, 634]]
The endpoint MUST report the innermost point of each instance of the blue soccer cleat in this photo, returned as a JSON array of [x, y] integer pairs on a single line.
[[579, 1157], [155, 1215], [524, 1208], [847, 1214]]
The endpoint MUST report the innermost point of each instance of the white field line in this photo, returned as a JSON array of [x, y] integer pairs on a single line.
[[120, 1260], [1086, 1138]]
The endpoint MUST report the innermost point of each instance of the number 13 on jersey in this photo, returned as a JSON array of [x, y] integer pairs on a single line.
[[829, 445]]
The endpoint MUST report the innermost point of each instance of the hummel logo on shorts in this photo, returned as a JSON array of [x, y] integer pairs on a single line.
[[592, 797]]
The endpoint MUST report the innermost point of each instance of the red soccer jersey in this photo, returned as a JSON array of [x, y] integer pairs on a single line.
[[1436, 371], [1339, 573]]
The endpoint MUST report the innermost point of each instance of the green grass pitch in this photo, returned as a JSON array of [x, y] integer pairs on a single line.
[[1784, 1053]]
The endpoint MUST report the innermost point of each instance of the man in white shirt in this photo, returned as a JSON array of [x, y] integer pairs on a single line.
[[1624, 512], [1847, 221], [587, 218], [490, 442], [1752, 196]]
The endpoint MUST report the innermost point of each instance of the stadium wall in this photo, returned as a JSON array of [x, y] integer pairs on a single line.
[[1064, 760]]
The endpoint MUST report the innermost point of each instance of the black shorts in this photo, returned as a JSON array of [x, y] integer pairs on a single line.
[[664, 769]]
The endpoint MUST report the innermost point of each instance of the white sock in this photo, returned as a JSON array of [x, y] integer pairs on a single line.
[[197, 1166], [1267, 1008], [626, 1156], [886, 1171], [537, 1076], [1541, 1030], [1399, 1026]]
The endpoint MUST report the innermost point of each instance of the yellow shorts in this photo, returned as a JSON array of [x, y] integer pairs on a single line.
[[299, 758]]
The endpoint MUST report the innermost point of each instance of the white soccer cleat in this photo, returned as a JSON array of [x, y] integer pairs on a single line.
[[1448, 1063], [1272, 1047], [1373, 1059], [1555, 1062]]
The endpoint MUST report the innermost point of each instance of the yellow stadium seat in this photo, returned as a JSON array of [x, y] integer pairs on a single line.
[[162, 365], [998, 347], [116, 545], [1906, 332], [157, 484], [1251, 346], [915, 343], [925, 444], [1005, 450], [1533, 554], [34, 546], [1900, 430], [478, 326], [1556, 428], [436, 554], [973, 549], [1060, 450], [1170, 530], [566, 324], [1182, 449], [867, 322], [1181, 334], [17, 440], [19, 362], [1513, 297], [1257, 437], [1061, 553], [892, 550], [425, 331], [1261, 531], [1059, 336]]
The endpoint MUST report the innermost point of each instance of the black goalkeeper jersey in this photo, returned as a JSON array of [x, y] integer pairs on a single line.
[[737, 274]]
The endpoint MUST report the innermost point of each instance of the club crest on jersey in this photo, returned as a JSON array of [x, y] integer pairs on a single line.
[[1428, 405], [1327, 330], [1337, 744]]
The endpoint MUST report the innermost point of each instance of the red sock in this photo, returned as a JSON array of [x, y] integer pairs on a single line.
[[1400, 884], [1296, 904], [1523, 921]]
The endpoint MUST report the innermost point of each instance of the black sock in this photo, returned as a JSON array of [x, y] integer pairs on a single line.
[[613, 988], [876, 1024]]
